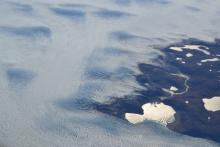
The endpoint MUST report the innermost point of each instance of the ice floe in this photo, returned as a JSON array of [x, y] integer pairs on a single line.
[[179, 49], [192, 47], [212, 104], [159, 113], [178, 59], [189, 55], [210, 60], [172, 88]]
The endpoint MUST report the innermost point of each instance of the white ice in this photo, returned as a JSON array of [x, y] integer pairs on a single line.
[[212, 104]]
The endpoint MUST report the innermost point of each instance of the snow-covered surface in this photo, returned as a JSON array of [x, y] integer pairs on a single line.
[[189, 55], [210, 60], [179, 49], [160, 113], [178, 59], [191, 47], [173, 88], [212, 104]]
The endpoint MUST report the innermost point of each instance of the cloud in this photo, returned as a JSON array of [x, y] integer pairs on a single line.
[[111, 14], [75, 69], [69, 13], [26, 31], [18, 76]]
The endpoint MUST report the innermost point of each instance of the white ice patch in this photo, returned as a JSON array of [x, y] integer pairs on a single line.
[[191, 47], [210, 60], [159, 113], [178, 59], [172, 88], [198, 48], [189, 55], [179, 49], [212, 104], [199, 64]]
